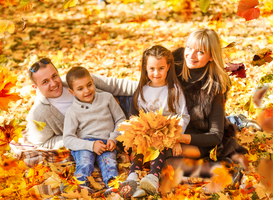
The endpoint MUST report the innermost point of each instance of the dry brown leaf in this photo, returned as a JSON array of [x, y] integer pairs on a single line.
[[94, 183]]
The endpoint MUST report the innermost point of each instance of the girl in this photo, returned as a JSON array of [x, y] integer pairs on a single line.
[[158, 88]]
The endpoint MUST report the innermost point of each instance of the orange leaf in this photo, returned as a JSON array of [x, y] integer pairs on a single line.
[[9, 132], [168, 172], [7, 81], [222, 176], [247, 10], [7, 3]]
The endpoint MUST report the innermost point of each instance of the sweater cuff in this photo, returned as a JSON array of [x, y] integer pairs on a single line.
[[113, 138], [89, 145]]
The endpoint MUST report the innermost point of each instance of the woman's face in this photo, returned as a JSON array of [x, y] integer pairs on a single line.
[[196, 58]]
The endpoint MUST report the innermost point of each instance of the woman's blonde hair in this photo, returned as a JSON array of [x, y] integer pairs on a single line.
[[208, 41]]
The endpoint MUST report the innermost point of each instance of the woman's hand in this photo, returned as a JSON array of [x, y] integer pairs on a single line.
[[184, 138], [177, 149]]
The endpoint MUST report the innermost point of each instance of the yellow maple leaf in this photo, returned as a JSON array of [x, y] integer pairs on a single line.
[[252, 157], [69, 3], [115, 183], [9, 132], [213, 154], [6, 26], [25, 5], [151, 154], [40, 125], [7, 81]]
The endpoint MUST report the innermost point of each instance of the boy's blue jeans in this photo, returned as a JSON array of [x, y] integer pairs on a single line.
[[85, 161]]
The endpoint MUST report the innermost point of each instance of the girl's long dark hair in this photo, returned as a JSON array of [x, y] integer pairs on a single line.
[[159, 52]]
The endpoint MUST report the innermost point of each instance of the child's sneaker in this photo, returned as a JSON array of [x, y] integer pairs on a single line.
[[139, 192], [150, 183], [126, 189]]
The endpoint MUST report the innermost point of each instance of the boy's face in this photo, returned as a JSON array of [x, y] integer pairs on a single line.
[[83, 89], [48, 81]]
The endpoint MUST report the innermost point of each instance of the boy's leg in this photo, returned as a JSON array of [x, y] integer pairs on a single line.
[[107, 163], [84, 164]]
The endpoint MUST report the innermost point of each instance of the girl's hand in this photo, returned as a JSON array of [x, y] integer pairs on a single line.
[[111, 145], [126, 148], [99, 147], [177, 149]]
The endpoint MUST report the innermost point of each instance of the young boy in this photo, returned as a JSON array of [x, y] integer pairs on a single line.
[[90, 129]]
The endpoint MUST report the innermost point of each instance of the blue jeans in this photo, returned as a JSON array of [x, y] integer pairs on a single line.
[[85, 161]]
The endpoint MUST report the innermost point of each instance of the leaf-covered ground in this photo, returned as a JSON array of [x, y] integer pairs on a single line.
[[109, 40]]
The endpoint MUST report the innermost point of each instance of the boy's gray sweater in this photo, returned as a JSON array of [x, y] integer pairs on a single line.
[[97, 120]]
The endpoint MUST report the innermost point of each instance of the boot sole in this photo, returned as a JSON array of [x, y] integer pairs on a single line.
[[147, 186]]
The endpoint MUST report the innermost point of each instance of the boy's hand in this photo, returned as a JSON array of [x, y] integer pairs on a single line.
[[99, 147], [111, 145], [177, 149]]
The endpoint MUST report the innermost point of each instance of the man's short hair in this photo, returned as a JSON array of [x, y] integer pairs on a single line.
[[76, 73], [40, 64]]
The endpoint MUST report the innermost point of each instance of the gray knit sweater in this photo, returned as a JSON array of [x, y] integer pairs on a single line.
[[97, 120]]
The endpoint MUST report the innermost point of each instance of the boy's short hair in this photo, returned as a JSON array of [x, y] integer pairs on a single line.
[[76, 73], [40, 64]]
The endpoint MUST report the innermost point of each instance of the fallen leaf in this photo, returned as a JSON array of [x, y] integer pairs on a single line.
[[237, 69], [6, 26], [213, 154], [168, 171], [25, 5], [151, 154], [258, 95], [204, 5], [247, 9], [249, 106], [262, 56], [7, 3], [221, 175], [94, 183], [40, 125], [69, 3]]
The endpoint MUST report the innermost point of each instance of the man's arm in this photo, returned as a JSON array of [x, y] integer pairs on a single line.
[[115, 86], [45, 138]]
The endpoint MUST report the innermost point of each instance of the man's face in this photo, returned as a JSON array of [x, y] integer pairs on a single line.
[[48, 81]]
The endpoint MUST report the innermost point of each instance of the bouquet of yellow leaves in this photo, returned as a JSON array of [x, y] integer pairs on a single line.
[[150, 130]]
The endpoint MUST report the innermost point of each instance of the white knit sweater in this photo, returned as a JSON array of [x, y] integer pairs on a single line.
[[97, 120]]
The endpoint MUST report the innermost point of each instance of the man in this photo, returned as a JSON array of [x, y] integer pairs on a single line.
[[53, 99]]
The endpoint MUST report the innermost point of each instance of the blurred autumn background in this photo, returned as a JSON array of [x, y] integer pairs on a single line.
[[109, 40]]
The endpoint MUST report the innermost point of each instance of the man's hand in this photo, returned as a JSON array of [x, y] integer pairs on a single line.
[[99, 147], [111, 145], [177, 149]]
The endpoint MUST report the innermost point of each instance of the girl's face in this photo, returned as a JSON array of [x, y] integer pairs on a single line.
[[157, 70], [196, 58]]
